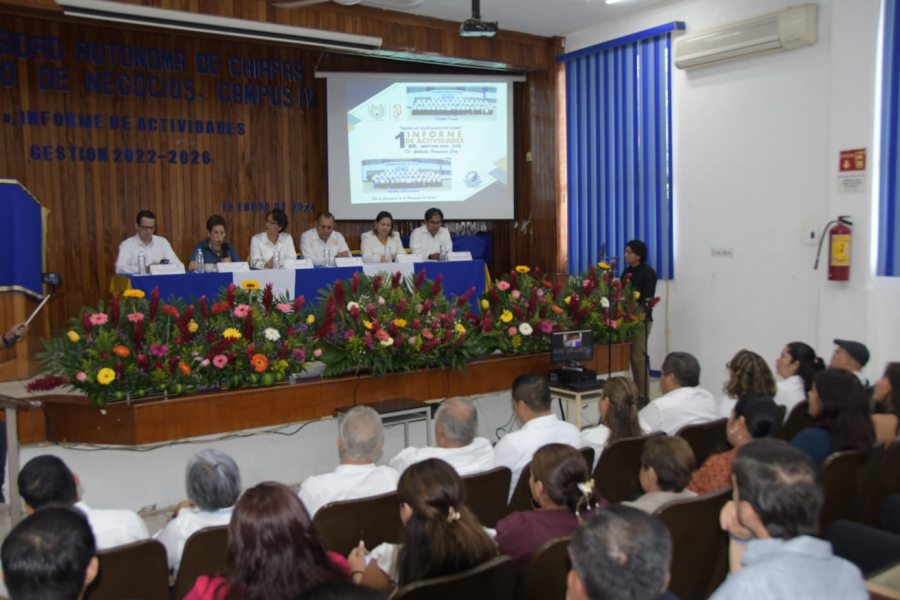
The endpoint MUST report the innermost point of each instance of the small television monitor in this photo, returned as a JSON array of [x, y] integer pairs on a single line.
[[571, 347]]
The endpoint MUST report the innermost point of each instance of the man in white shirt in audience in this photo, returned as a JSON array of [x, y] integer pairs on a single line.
[[46, 479], [771, 523], [531, 405], [360, 442], [427, 240], [683, 402], [852, 356], [455, 428], [156, 249], [314, 240]]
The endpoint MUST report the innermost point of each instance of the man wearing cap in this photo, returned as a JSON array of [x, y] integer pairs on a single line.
[[852, 356]]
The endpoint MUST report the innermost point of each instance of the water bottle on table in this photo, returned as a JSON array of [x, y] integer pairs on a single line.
[[142, 263], [443, 254], [327, 260], [276, 259], [198, 261], [387, 254]]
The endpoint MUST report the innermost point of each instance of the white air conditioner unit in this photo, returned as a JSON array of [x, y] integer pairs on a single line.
[[786, 29]]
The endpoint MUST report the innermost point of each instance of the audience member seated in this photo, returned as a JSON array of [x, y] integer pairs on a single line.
[[214, 248], [748, 374], [797, 365], [455, 427], [754, 416], [213, 484], [886, 419], [382, 244], [428, 239], [360, 442], [46, 479], [49, 555], [618, 409], [264, 245], [154, 248], [683, 402], [621, 553], [852, 356], [771, 523], [563, 490], [315, 240], [441, 535], [531, 406], [840, 406], [274, 551], [666, 467]]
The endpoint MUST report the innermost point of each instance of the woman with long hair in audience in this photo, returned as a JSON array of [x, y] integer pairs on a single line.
[[886, 393], [274, 552], [754, 416], [562, 488], [840, 406], [748, 374], [618, 408], [797, 365], [441, 536]]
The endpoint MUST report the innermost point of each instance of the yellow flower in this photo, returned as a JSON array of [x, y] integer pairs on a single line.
[[517, 341], [310, 319], [568, 299], [367, 324], [105, 376], [459, 328], [231, 334], [192, 326], [133, 293], [250, 284], [506, 316], [485, 304], [73, 335], [522, 269], [400, 322], [636, 294], [604, 265]]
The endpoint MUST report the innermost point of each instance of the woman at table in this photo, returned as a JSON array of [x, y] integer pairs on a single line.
[[382, 244], [214, 248], [264, 245]]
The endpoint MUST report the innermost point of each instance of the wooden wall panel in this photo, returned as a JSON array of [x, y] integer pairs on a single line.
[[280, 158]]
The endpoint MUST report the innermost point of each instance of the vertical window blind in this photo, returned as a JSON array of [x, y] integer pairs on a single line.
[[619, 134], [889, 190]]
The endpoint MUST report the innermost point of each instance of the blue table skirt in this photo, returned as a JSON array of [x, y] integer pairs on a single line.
[[458, 278]]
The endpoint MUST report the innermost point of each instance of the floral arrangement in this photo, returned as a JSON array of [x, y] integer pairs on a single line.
[[609, 306]]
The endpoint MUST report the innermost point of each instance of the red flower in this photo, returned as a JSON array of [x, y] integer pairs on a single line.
[[395, 280], [86, 323], [420, 278], [461, 300], [229, 294], [438, 282], [114, 310], [204, 307], [376, 283], [267, 297], [259, 362], [298, 304], [248, 327], [339, 292], [154, 303], [170, 310], [354, 283]]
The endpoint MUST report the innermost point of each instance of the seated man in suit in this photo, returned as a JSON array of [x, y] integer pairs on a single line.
[[51, 554], [455, 427], [360, 442], [683, 401], [771, 523], [531, 405], [621, 553], [155, 249], [46, 479]]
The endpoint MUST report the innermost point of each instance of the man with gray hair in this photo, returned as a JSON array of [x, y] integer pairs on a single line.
[[455, 428], [360, 442], [683, 401]]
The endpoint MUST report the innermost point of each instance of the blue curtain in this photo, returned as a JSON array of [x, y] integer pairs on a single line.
[[619, 133], [888, 216]]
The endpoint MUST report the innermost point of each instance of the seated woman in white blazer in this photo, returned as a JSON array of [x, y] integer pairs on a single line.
[[382, 244]]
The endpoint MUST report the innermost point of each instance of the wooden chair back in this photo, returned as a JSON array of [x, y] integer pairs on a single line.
[[588, 454], [616, 475], [521, 497], [374, 520], [705, 439], [138, 570], [486, 494], [495, 579], [839, 477], [699, 546], [205, 553], [797, 421], [545, 576], [781, 414], [886, 483]]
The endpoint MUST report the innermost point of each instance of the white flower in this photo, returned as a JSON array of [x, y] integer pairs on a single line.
[[380, 301], [412, 340], [604, 302], [272, 334], [387, 342], [351, 305], [525, 329]]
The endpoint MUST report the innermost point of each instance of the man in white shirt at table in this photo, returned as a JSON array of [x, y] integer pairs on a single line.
[[455, 428], [314, 240], [427, 239], [360, 442], [683, 401], [531, 405], [156, 249]]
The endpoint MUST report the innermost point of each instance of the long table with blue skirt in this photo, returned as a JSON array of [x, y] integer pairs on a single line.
[[458, 276]]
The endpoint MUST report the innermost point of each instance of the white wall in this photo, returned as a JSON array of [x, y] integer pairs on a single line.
[[756, 145]]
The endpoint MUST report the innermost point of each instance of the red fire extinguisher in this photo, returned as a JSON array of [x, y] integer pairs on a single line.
[[839, 237]]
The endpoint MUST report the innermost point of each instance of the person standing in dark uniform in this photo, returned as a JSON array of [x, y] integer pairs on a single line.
[[643, 280]]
